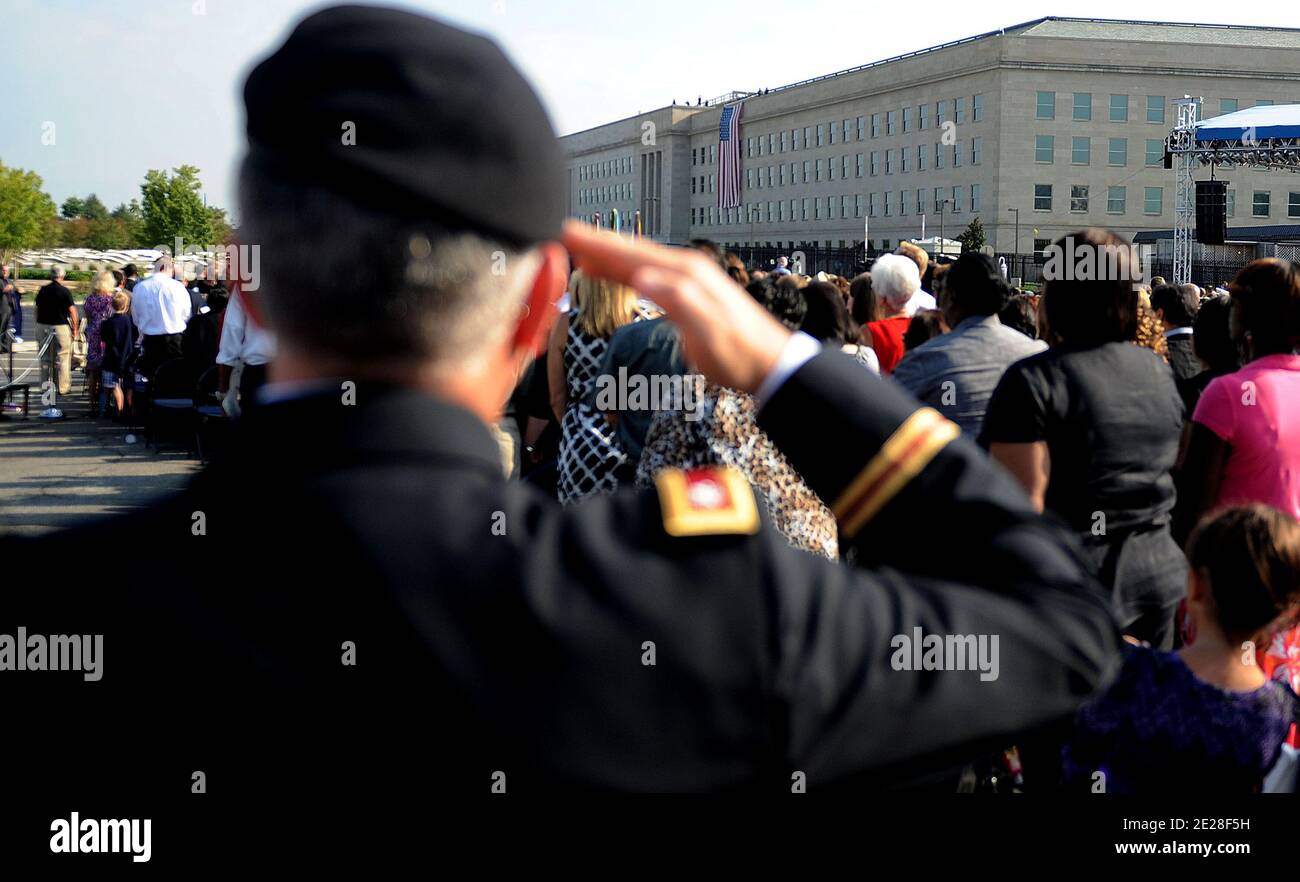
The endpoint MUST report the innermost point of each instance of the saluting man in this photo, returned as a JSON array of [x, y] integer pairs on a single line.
[[411, 621]]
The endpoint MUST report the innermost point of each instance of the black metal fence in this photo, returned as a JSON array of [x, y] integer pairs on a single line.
[[1029, 269], [811, 259], [808, 259], [1204, 273]]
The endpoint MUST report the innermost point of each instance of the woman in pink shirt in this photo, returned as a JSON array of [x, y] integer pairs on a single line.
[[1245, 435]]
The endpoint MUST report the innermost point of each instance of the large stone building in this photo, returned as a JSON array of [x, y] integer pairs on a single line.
[[1059, 123]]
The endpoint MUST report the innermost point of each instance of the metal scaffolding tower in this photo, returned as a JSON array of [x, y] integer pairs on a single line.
[[1180, 141]]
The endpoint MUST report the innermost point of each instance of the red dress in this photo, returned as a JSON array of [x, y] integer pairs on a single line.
[[887, 340]]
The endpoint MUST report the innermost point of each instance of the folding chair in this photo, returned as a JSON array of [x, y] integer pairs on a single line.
[[208, 412], [168, 397]]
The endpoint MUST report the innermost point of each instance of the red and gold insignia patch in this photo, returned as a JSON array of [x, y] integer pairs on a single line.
[[707, 501]]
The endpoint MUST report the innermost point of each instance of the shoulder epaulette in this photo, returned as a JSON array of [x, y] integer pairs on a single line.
[[900, 459], [706, 501]]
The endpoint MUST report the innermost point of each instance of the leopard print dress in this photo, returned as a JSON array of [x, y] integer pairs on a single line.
[[727, 433]]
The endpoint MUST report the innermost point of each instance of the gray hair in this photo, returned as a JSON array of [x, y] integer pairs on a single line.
[[57, 272], [360, 284], [895, 279]]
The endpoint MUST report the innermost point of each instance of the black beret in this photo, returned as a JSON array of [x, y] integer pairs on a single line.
[[446, 131]]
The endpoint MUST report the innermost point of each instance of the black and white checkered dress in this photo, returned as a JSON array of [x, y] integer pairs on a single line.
[[589, 449]]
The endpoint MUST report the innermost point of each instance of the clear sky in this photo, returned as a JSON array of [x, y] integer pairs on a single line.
[[137, 84]]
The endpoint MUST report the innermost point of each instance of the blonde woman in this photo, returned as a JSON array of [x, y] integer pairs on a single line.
[[589, 453], [1151, 331], [98, 306]]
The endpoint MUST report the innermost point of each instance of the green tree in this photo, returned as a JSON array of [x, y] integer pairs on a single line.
[[109, 233], [52, 231], [172, 207], [87, 223], [94, 209], [74, 232], [128, 211], [222, 232], [128, 218], [973, 238], [27, 213], [73, 206], [91, 208]]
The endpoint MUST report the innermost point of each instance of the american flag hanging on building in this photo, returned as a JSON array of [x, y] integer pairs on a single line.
[[729, 156]]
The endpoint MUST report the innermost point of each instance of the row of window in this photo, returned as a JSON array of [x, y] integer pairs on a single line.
[[1116, 199], [599, 195], [809, 171], [1081, 107], [593, 171], [699, 155], [1153, 200], [1081, 150], [1079, 201], [846, 206], [887, 123], [843, 206]]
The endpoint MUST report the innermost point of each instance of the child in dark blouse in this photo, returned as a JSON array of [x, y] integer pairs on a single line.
[[117, 336], [1205, 718]]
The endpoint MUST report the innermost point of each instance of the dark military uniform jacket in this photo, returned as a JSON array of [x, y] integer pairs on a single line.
[[354, 599]]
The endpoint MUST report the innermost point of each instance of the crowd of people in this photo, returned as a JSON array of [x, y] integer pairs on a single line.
[[1128, 412], [473, 568], [127, 328]]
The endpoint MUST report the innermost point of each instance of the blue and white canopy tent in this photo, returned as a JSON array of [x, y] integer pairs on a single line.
[[1273, 121], [1258, 137]]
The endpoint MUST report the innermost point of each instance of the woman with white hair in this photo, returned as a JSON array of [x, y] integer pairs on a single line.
[[894, 281]]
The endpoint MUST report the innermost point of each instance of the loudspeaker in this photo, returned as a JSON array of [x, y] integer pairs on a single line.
[[1211, 212]]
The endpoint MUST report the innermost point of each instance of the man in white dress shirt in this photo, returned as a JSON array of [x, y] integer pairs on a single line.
[[243, 341], [160, 307]]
